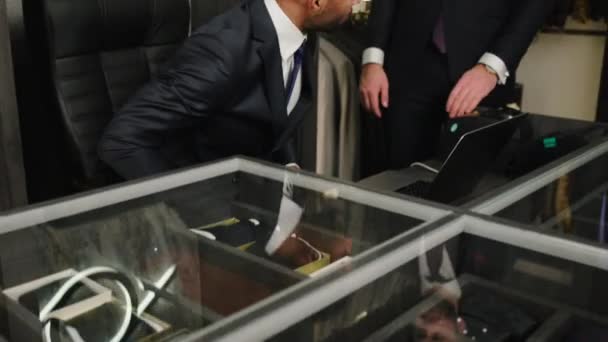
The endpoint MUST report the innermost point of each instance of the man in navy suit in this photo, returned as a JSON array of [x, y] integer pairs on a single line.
[[428, 58], [240, 85]]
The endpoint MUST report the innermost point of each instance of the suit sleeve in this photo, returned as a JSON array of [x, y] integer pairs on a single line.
[[189, 90], [524, 22], [381, 23], [287, 153]]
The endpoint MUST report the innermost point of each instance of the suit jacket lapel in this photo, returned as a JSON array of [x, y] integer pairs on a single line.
[[274, 85], [264, 33], [307, 96], [268, 50]]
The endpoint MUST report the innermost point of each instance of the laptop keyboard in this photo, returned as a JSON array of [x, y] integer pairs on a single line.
[[416, 189]]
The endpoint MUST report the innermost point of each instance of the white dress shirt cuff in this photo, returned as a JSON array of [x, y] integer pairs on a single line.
[[373, 55], [496, 64]]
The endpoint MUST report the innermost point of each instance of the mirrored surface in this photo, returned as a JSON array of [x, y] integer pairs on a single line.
[[574, 203], [463, 286], [159, 267]]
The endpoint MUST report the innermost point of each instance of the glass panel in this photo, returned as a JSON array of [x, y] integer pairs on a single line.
[[167, 264], [469, 288], [573, 204]]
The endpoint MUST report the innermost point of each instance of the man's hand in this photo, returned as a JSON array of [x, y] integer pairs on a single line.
[[472, 87], [374, 88]]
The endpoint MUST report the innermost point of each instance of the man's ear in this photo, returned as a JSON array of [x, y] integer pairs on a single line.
[[315, 5]]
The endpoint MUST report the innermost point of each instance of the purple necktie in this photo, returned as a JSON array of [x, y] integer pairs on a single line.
[[298, 58], [439, 36]]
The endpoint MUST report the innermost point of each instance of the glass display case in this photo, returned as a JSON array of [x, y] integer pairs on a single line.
[[568, 197], [468, 277], [195, 252], [245, 251], [474, 279]]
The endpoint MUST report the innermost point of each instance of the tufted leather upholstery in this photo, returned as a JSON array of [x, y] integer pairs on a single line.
[[101, 52], [204, 10]]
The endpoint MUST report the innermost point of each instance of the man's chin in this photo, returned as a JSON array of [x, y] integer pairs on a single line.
[[330, 26], [335, 25]]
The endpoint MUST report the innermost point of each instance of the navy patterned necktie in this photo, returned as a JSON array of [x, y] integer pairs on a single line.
[[298, 58]]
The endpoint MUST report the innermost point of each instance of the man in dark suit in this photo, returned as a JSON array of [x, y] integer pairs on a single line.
[[239, 85], [440, 56]]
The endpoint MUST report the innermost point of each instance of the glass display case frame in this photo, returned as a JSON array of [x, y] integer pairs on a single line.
[[274, 315], [431, 216], [500, 198], [302, 302]]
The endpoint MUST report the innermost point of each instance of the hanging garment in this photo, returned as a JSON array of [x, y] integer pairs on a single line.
[[338, 116]]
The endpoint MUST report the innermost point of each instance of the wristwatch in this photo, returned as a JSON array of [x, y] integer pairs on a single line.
[[491, 71]]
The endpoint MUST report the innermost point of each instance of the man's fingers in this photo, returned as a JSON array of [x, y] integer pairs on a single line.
[[365, 100], [470, 90], [456, 103], [468, 106], [473, 104], [460, 102], [384, 95], [467, 101], [374, 89], [455, 95], [476, 95]]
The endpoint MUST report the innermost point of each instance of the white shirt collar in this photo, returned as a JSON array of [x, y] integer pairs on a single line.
[[289, 35]]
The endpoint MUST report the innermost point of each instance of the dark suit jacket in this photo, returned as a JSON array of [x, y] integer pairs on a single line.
[[223, 94], [403, 28]]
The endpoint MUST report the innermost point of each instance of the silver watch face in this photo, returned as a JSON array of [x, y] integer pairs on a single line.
[[490, 69]]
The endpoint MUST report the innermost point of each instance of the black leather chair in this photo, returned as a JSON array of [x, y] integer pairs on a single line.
[[101, 52], [205, 10]]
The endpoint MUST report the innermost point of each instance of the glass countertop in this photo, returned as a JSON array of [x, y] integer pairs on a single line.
[[162, 258], [568, 199], [474, 279]]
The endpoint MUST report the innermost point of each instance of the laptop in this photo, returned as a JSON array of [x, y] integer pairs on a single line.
[[468, 161]]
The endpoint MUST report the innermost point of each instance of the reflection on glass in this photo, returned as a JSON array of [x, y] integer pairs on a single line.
[[441, 322], [469, 288], [456, 316], [574, 204], [175, 262]]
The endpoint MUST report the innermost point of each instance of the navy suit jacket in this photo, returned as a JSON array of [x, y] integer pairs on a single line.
[[221, 95], [472, 27]]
